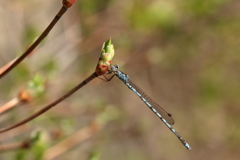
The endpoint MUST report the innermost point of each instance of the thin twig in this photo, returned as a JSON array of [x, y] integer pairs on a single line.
[[15, 133], [87, 80], [10, 147], [23, 97], [72, 141], [12, 103], [63, 9], [15, 146], [4, 68]]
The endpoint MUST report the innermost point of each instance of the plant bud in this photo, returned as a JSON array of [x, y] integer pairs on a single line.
[[68, 3]]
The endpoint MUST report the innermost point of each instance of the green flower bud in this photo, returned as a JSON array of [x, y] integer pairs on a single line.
[[105, 59], [110, 50], [107, 48]]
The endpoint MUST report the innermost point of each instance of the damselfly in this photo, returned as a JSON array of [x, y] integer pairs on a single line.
[[157, 109]]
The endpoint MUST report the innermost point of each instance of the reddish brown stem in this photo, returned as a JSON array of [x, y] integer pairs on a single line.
[[4, 68], [91, 77], [36, 43], [10, 147], [14, 146]]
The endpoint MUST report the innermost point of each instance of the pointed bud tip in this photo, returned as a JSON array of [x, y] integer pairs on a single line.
[[108, 47], [109, 42]]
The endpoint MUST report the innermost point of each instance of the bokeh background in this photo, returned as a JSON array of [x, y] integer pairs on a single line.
[[183, 53]]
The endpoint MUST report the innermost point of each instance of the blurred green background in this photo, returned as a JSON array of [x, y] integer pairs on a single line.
[[183, 53]]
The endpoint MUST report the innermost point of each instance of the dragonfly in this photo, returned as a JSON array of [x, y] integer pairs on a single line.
[[156, 108]]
